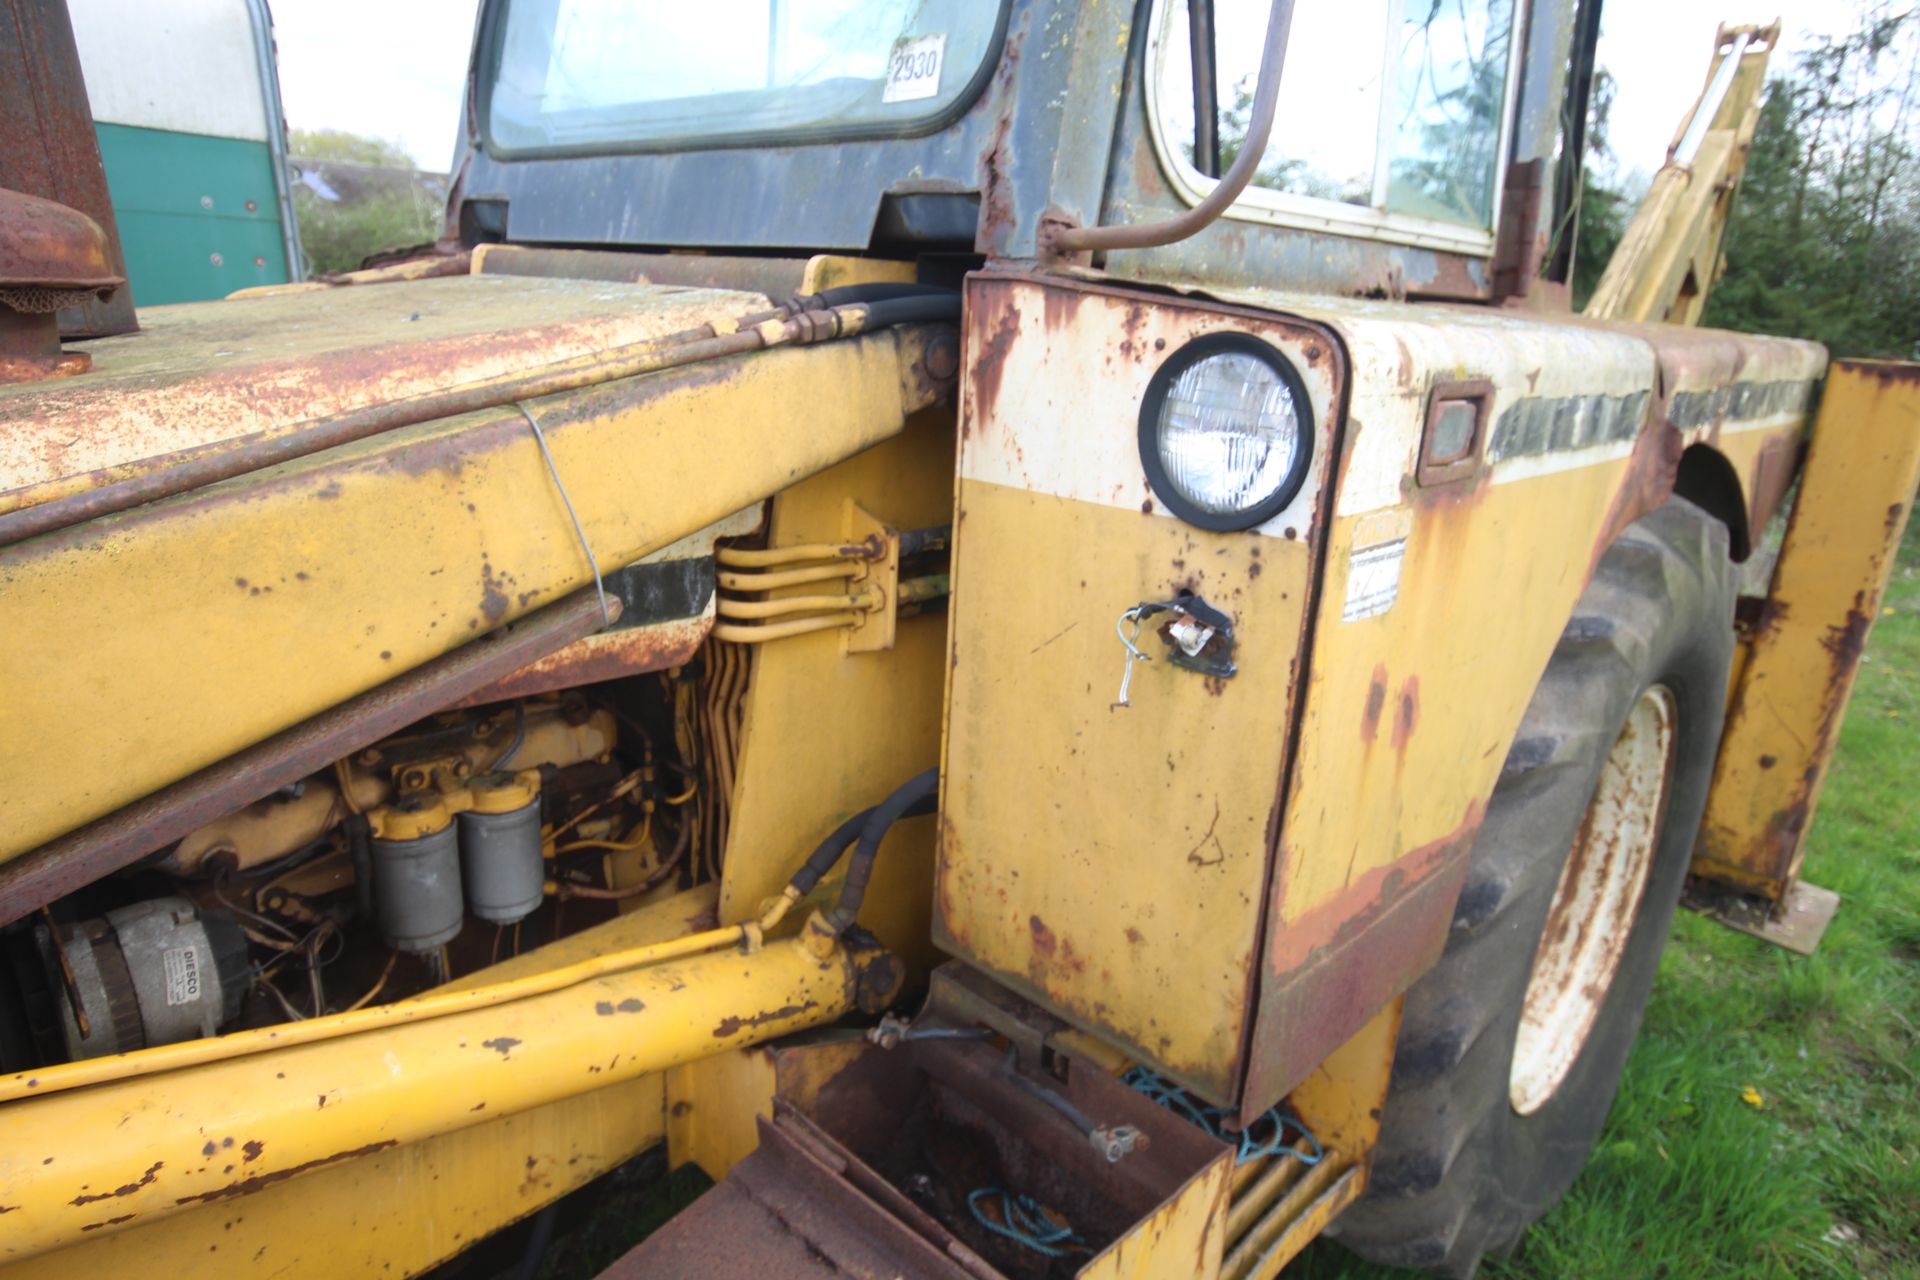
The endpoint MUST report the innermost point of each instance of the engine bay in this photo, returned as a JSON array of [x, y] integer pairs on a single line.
[[460, 841]]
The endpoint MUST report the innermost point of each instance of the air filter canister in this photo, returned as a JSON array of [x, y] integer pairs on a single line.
[[417, 900], [500, 847]]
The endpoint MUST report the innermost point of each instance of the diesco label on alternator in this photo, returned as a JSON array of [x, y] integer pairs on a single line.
[[182, 965]]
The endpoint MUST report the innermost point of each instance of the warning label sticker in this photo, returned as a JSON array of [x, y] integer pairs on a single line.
[[182, 965], [1373, 579]]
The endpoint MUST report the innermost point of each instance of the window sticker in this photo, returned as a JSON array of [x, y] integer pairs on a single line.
[[913, 72]]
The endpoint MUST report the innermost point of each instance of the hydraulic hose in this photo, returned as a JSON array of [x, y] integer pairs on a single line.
[[848, 294], [923, 309], [821, 860], [918, 795]]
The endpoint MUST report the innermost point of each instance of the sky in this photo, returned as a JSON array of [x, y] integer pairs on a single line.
[[395, 68]]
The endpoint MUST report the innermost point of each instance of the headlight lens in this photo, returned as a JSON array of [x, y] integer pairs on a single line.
[[1224, 432]]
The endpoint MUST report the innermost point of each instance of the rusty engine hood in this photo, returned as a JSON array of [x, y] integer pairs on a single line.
[[202, 373]]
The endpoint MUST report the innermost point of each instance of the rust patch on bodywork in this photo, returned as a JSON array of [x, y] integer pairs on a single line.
[[1408, 714], [202, 370], [993, 323], [1347, 914], [1652, 468], [1327, 973], [734, 1024], [146, 1180], [998, 209], [606, 655], [261, 1181]]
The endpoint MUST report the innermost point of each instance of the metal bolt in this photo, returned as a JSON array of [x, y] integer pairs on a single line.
[[943, 357], [1116, 1142], [206, 202], [252, 207], [217, 260]]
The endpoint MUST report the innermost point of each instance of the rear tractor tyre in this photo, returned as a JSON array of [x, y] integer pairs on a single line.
[[1511, 1047]]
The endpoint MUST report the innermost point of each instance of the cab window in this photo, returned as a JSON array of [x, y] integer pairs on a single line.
[[1391, 112]]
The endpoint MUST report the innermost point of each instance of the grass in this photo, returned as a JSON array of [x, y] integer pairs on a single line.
[[1822, 1177]]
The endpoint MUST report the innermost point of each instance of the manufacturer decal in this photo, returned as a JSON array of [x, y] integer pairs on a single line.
[[182, 965], [1373, 567]]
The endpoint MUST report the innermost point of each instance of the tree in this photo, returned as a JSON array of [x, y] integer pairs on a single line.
[[355, 196], [346, 148], [1824, 241]]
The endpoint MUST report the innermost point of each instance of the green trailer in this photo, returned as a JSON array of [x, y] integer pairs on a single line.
[[194, 143]]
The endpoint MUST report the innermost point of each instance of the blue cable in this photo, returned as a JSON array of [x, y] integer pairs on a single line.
[[1214, 1120], [1025, 1221]]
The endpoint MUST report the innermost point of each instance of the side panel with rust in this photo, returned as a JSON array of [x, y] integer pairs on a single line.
[[1856, 491], [1409, 713], [1101, 860], [1110, 861]]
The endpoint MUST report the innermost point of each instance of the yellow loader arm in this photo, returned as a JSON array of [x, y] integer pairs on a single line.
[[1670, 254]]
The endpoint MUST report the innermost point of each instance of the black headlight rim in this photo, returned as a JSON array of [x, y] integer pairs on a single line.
[[1158, 387]]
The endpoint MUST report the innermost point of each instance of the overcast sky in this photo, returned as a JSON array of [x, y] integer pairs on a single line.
[[394, 68]]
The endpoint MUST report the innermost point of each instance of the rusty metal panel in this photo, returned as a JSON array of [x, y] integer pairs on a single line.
[[784, 1211], [48, 147], [1111, 862], [205, 372], [1856, 492], [918, 1129], [1418, 675], [394, 1212], [1410, 708], [868, 720], [192, 628]]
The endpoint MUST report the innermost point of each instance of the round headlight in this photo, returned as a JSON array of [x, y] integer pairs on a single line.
[[1225, 432]]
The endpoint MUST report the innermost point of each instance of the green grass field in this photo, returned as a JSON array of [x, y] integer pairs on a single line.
[[1820, 1176]]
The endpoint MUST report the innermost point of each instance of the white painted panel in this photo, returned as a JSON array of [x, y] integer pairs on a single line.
[[182, 65]]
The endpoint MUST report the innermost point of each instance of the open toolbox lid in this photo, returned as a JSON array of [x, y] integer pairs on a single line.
[[873, 1178]]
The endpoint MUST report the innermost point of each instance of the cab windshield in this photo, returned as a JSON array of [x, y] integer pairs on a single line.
[[640, 74]]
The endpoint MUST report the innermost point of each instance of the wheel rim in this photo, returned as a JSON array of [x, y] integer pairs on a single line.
[[1595, 903]]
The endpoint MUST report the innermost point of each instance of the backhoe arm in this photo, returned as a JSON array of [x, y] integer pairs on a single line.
[[1670, 254]]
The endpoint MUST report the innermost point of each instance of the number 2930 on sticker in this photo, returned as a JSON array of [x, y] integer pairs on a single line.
[[913, 70]]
